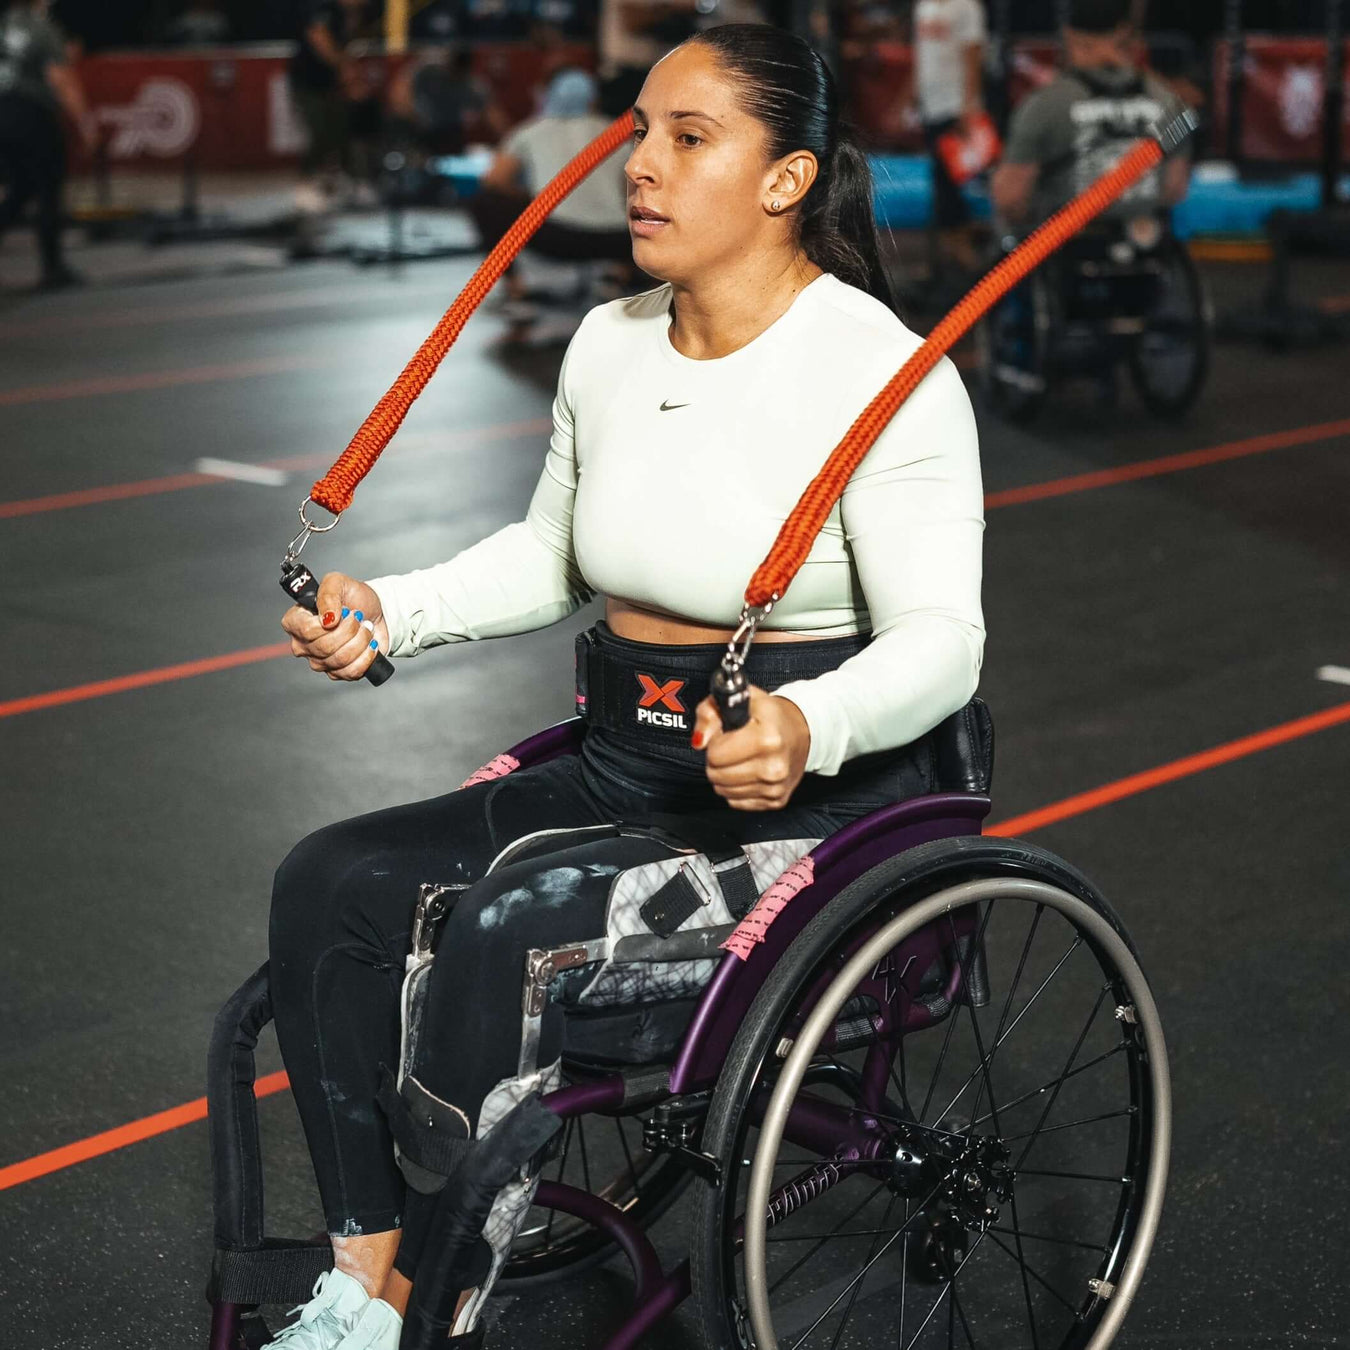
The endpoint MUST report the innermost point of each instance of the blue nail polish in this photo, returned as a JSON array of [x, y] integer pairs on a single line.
[[374, 644], [359, 616], [345, 612]]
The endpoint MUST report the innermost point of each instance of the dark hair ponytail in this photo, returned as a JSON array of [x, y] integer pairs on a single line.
[[786, 86]]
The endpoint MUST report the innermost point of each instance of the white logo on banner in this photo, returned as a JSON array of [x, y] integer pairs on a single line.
[[162, 121], [1301, 100]]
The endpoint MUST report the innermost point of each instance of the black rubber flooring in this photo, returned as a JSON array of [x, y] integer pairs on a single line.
[[1129, 626]]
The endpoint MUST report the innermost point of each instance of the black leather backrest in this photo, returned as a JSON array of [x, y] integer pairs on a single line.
[[963, 749]]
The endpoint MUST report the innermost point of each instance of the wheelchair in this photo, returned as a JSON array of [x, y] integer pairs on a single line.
[[925, 1090], [1123, 291]]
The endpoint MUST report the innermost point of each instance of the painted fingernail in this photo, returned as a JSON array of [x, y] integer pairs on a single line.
[[329, 618], [374, 644], [345, 612], [359, 616], [696, 740], [368, 625]]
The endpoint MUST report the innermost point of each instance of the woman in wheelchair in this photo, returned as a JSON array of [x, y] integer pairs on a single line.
[[688, 420]]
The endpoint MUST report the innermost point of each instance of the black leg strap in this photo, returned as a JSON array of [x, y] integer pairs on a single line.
[[454, 1242], [277, 1272], [433, 1138]]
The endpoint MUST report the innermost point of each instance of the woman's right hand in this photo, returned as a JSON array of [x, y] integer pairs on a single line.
[[339, 640]]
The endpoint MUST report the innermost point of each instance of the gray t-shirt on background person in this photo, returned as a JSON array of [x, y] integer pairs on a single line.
[[1079, 126], [28, 45]]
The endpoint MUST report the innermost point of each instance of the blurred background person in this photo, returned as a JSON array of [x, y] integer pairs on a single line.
[[441, 105], [949, 41], [1069, 132], [340, 113], [588, 225], [37, 83], [633, 35]]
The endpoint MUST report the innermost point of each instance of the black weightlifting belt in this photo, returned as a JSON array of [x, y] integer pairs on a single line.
[[649, 691]]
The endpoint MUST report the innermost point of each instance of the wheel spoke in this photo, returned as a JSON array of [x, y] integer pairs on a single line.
[[942, 1293], [1031, 1270], [988, 1086], [862, 1274], [1042, 1237], [797, 1265], [1073, 946], [1073, 1055], [628, 1157], [1007, 1003], [1055, 1082], [951, 1021], [1075, 1176], [585, 1161], [1067, 1125], [857, 1288]]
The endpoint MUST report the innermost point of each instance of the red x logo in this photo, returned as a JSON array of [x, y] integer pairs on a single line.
[[661, 693]]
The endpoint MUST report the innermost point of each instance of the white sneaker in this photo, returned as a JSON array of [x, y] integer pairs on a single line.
[[377, 1328], [326, 1319]]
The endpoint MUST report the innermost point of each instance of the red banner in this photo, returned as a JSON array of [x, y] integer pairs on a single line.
[[231, 108], [1281, 111]]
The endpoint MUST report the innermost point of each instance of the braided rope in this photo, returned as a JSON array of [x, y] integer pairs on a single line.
[[800, 529], [335, 489]]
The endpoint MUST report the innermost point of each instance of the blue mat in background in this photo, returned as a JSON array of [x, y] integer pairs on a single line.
[[1219, 201]]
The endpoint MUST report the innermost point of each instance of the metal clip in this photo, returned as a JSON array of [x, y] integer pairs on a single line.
[[751, 618], [307, 527]]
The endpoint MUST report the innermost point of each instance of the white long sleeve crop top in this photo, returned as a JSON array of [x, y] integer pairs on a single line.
[[667, 479]]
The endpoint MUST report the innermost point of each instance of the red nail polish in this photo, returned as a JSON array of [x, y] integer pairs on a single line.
[[696, 740], [329, 619]]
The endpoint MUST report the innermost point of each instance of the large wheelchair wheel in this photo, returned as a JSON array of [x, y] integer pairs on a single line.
[[603, 1156], [945, 1120], [1169, 361]]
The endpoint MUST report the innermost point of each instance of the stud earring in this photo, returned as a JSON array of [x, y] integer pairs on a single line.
[[776, 205]]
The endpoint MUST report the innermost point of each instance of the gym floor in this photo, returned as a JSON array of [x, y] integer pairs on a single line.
[[1161, 664]]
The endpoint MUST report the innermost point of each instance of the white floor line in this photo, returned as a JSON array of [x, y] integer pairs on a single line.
[[244, 473], [1334, 674]]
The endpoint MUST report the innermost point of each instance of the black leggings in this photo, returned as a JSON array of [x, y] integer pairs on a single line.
[[342, 914]]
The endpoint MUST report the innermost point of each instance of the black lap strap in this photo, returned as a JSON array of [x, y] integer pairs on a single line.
[[277, 1272], [737, 882], [427, 1135], [672, 905]]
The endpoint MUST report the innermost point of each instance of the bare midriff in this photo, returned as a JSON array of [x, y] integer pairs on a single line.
[[645, 625]]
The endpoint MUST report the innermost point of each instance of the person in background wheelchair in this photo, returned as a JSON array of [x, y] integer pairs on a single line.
[[1125, 286], [687, 422]]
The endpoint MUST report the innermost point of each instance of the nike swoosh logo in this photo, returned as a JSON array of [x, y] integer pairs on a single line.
[[670, 407]]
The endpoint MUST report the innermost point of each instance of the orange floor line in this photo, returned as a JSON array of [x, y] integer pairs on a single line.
[[141, 679]]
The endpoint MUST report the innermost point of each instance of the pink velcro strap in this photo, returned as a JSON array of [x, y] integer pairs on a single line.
[[752, 929], [497, 767]]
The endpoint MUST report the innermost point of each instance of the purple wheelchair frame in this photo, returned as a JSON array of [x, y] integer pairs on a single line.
[[839, 860]]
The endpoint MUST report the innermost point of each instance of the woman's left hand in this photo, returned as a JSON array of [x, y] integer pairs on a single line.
[[758, 766]]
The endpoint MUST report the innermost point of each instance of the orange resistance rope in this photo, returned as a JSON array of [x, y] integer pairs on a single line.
[[799, 530], [335, 489]]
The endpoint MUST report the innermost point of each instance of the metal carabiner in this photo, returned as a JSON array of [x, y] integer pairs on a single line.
[[751, 618], [307, 527]]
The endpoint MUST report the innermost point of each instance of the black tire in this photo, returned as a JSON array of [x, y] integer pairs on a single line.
[[823, 948], [1178, 331]]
